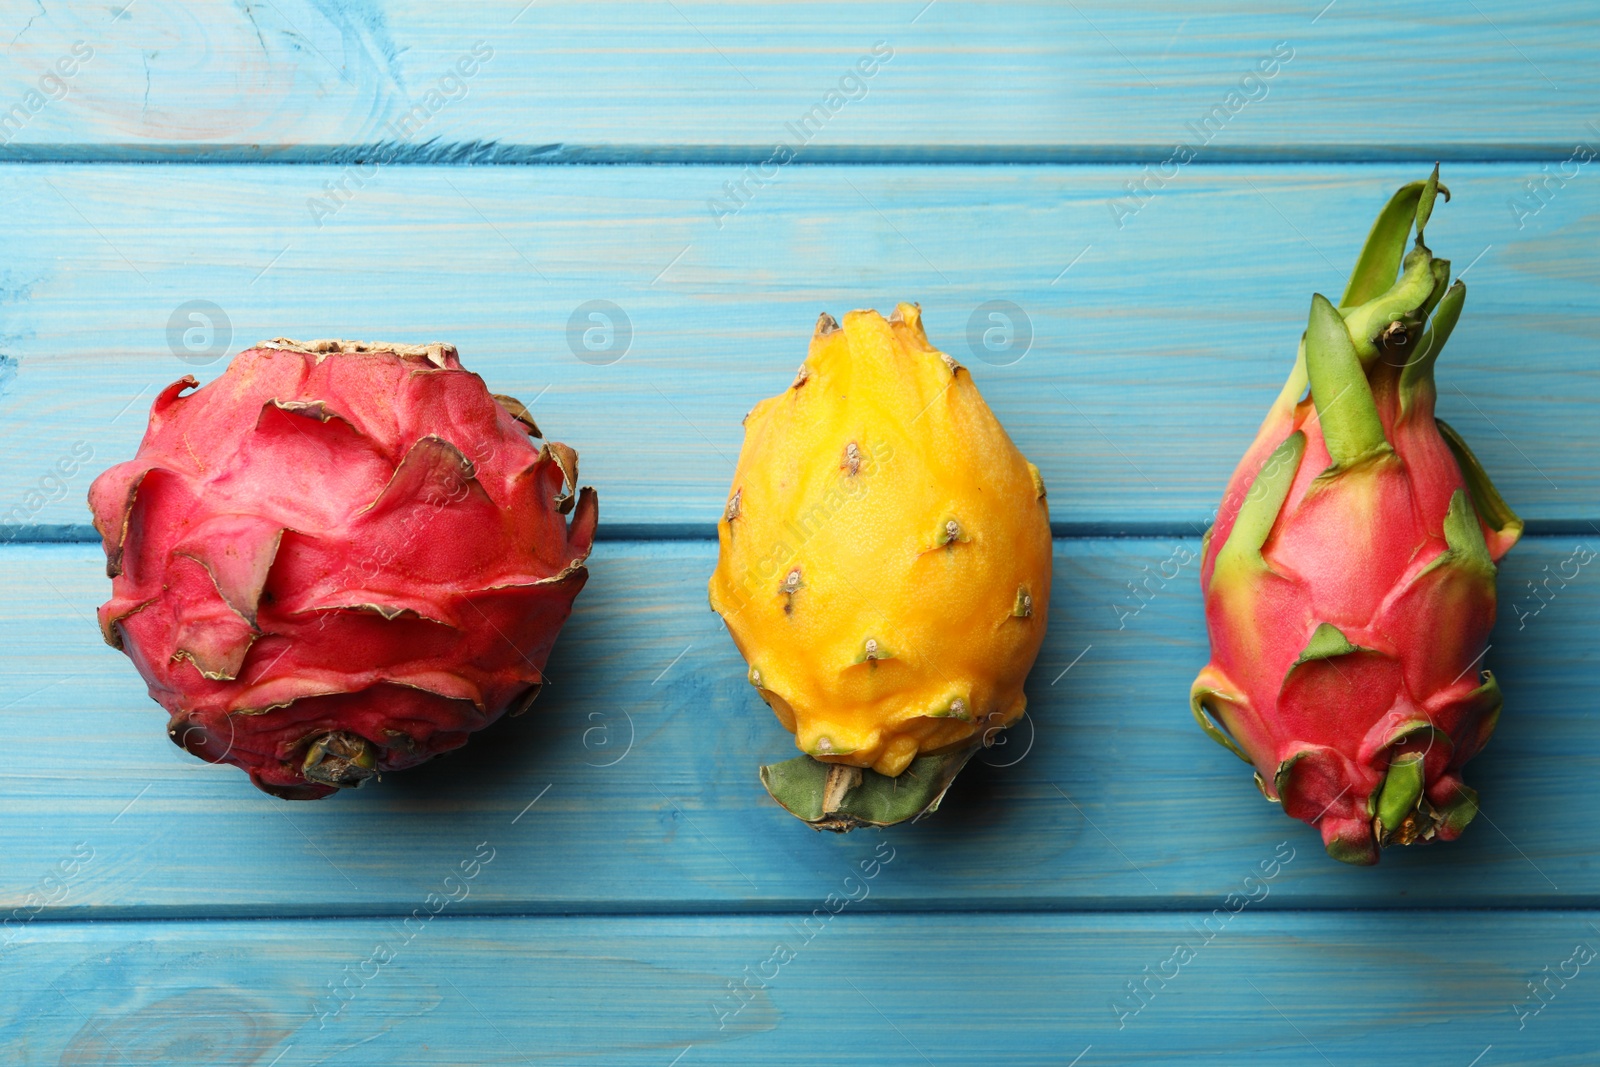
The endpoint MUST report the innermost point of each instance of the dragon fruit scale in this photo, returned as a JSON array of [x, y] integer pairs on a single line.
[[884, 569], [339, 559], [1349, 579]]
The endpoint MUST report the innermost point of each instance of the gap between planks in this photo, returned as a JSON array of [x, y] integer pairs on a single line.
[[865, 915], [480, 154], [694, 531]]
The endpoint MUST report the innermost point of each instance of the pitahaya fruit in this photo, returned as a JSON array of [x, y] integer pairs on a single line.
[[884, 569], [1349, 578], [339, 559]]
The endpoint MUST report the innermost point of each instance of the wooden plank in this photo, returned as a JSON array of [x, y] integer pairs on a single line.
[[1342, 988], [639, 764], [305, 79], [1155, 347]]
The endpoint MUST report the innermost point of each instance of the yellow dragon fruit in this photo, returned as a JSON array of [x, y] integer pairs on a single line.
[[884, 570]]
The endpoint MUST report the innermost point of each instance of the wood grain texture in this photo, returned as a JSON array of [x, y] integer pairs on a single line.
[[607, 871], [642, 754], [1155, 348], [949, 989], [310, 79]]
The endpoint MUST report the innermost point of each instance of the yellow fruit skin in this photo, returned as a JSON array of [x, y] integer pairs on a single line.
[[879, 500]]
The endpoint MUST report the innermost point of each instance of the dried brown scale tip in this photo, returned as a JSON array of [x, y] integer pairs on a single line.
[[1404, 834], [1419, 825], [566, 458], [311, 409], [733, 506], [401, 739], [524, 702], [788, 588], [226, 673], [826, 324], [852, 458], [1394, 344], [438, 354], [1024, 606], [342, 760], [519, 411], [800, 377], [871, 652]]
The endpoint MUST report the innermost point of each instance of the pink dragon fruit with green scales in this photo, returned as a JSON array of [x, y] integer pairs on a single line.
[[1349, 578]]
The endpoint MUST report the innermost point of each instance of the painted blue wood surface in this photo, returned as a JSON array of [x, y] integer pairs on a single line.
[[637, 868], [299, 79], [642, 758], [1151, 361], [956, 988]]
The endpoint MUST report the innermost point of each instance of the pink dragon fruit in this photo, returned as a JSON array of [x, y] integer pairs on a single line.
[[339, 559], [1349, 578]]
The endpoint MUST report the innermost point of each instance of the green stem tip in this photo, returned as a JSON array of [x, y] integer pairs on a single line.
[[1430, 189], [1385, 246]]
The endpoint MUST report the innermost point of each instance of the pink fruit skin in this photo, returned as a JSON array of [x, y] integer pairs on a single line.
[[338, 537], [1349, 552]]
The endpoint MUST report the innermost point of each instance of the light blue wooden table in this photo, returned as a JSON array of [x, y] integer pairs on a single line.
[[323, 168]]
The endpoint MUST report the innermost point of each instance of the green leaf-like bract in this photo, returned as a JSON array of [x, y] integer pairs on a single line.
[[1349, 414], [801, 785]]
